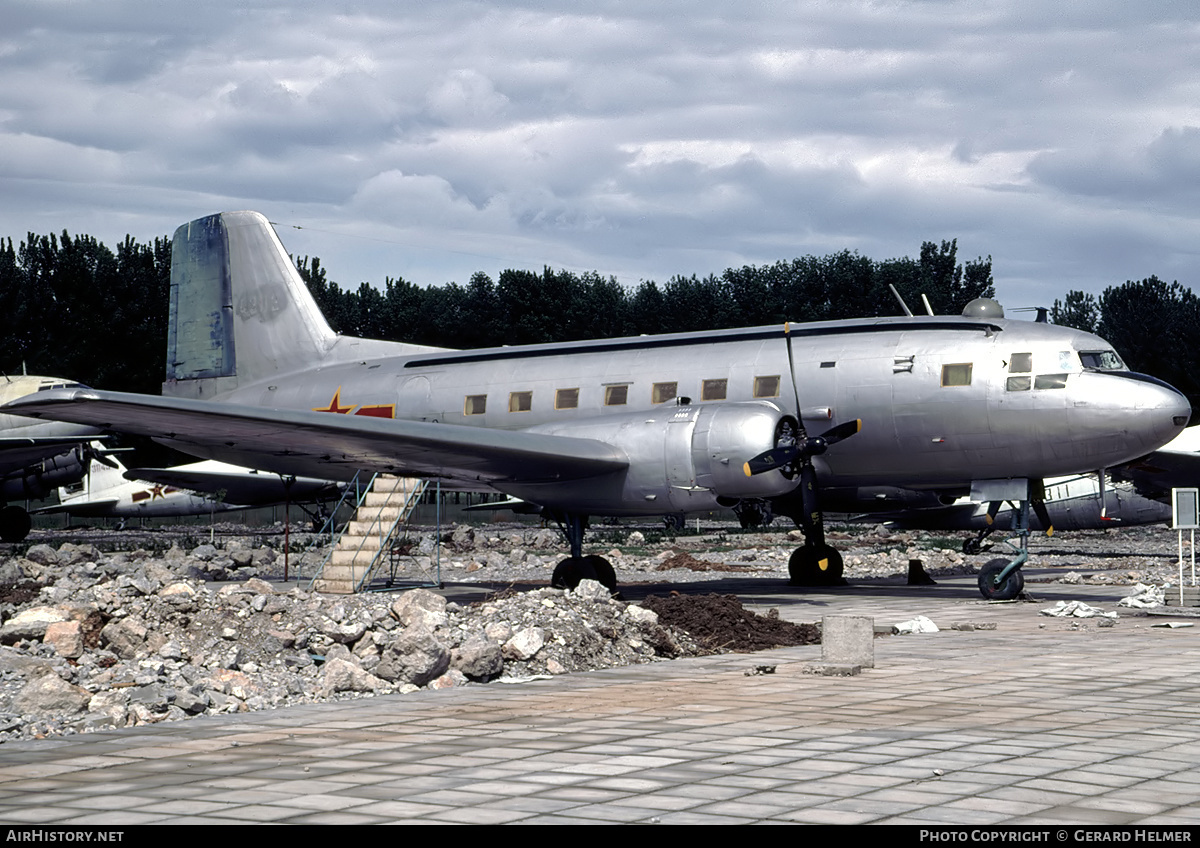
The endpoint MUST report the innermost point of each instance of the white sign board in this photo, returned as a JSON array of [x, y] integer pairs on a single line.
[[1185, 509]]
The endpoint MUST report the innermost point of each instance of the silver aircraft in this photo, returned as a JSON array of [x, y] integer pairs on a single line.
[[36, 456], [791, 415]]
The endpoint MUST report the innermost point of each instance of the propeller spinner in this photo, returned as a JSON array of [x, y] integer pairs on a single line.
[[784, 455]]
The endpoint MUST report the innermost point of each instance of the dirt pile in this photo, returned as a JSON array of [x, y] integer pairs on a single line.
[[721, 623]]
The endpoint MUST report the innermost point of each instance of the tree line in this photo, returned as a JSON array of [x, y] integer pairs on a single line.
[[77, 309], [525, 307]]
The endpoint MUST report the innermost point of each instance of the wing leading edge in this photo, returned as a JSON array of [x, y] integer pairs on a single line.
[[332, 446]]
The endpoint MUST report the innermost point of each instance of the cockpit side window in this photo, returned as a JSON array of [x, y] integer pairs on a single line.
[[1101, 360]]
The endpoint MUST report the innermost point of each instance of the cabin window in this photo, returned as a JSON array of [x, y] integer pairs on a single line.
[[520, 401], [713, 390], [765, 387], [663, 392], [1019, 363], [566, 399], [958, 374], [1050, 381], [616, 395], [475, 405]]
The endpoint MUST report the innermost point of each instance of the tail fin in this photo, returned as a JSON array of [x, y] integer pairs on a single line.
[[240, 312], [98, 478]]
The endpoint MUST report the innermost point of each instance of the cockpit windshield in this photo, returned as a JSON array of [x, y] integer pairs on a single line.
[[1101, 360]]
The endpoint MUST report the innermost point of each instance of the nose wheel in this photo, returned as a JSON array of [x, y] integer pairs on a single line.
[[996, 585]]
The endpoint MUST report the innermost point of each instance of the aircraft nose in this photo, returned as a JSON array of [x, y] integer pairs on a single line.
[[1130, 412]]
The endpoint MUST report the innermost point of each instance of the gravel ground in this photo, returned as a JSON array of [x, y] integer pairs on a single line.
[[105, 628]]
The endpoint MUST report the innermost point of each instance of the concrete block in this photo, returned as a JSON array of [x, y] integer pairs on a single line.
[[831, 669], [848, 640]]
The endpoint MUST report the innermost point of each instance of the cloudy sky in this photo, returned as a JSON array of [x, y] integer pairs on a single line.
[[642, 140]]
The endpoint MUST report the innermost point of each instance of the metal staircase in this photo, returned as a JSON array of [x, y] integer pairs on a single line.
[[373, 542]]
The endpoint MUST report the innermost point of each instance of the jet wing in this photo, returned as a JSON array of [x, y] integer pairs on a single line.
[[1176, 465], [322, 444], [87, 509], [1155, 475], [245, 488]]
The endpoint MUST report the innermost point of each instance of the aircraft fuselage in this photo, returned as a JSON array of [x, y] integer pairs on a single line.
[[942, 400]]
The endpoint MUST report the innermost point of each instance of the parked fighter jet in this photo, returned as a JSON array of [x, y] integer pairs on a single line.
[[35, 456], [1134, 493], [110, 491], [650, 425], [1071, 503], [1174, 465]]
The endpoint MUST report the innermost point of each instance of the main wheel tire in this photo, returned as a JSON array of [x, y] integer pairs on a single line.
[[1006, 591], [972, 546], [15, 524], [603, 570], [816, 565], [571, 570]]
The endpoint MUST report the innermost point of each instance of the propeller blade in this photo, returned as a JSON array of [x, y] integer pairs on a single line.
[[1039, 509], [771, 460], [842, 431], [101, 456], [817, 445], [784, 455], [1037, 502]]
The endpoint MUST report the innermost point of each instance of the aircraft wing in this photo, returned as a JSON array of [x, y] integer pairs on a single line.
[[18, 451], [1176, 465], [245, 488], [1155, 475], [87, 509], [322, 444]]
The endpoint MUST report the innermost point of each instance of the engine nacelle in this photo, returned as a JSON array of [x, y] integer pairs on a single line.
[[41, 478], [681, 459]]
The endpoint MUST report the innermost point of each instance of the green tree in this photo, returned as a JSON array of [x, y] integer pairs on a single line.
[[1079, 310], [1151, 324]]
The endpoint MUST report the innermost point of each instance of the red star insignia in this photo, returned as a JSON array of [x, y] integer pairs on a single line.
[[335, 404]]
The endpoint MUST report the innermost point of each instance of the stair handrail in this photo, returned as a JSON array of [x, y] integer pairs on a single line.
[[410, 503], [334, 540]]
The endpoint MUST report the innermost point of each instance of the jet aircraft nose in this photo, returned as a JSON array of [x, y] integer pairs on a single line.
[[1117, 416]]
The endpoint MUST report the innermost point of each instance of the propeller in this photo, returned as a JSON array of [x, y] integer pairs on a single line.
[[1037, 502], [100, 454], [803, 449]]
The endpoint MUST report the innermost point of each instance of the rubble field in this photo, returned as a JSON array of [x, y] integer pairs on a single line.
[[102, 629]]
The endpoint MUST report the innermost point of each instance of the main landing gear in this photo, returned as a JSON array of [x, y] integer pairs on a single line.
[[577, 567], [815, 565], [15, 524]]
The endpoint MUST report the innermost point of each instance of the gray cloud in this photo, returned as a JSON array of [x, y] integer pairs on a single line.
[[641, 140]]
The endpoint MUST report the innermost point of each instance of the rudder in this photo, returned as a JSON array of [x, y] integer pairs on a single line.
[[239, 310]]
